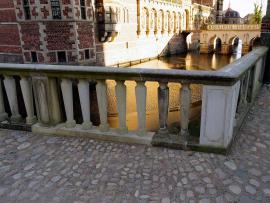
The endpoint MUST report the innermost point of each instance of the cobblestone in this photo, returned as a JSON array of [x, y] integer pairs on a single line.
[[67, 170]]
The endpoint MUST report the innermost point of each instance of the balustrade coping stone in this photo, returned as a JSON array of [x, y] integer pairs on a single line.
[[226, 76]]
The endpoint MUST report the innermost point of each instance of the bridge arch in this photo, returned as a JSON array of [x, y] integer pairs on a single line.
[[235, 45], [215, 44], [254, 42]]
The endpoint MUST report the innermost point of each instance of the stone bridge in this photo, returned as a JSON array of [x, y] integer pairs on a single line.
[[224, 36]]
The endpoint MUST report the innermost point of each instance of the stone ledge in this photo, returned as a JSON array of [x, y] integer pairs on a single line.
[[112, 135], [7, 124]]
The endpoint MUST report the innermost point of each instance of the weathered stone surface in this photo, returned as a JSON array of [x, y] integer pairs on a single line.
[[36, 168]]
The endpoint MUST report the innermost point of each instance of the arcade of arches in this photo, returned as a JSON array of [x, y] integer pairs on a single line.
[[224, 38]]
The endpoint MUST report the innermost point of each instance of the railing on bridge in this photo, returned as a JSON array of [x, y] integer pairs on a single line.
[[227, 94], [233, 27]]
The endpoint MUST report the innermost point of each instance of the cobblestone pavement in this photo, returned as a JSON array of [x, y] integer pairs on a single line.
[[57, 169]]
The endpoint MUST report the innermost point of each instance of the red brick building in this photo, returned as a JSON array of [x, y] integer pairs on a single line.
[[10, 45], [101, 32], [47, 31], [210, 3]]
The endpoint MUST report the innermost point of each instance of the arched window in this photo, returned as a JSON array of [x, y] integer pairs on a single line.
[[160, 23], [179, 21], [127, 16], [145, 20], [153, 23], [184, 19], [166, 21], [173, 21]]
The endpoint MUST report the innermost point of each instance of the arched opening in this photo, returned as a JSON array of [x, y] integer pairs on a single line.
[[174, 23], [168, 21], [236, 45], [160, 23], [153, 22], [179, 21], [184, 21], [145, 20], [255, 42], [193, 42], [215, 44], [187, 20]]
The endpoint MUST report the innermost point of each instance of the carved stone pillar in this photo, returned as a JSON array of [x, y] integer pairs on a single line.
[[185, 102], [47, 100], [163, 107], [121, 93], [10, 87], [66, 86], [3, 114], [102, 105], [26, 86], [141, 107], [83, 87]]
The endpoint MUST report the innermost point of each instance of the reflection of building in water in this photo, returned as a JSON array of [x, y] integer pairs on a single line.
[[97, 31]]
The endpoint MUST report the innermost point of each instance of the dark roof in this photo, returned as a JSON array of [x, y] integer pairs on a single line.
[[230, 13]]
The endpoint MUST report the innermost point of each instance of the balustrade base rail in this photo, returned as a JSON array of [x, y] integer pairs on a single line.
[[94, 133], [15, 126]]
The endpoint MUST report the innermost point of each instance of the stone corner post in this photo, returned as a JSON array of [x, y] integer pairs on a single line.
[[218, 115]]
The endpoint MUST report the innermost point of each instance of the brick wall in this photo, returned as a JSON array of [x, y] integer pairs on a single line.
[[10, 45]]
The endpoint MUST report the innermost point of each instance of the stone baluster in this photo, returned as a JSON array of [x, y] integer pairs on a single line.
[[10, 86], [102, 105], [163, 106], [241, 97], [246, 87], [185, 102], [3, 114], [83, 88], [26, 86], [66, 87], [121, 92], [141, 92]]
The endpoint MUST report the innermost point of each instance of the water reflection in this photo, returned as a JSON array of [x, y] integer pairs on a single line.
[[190, 61]]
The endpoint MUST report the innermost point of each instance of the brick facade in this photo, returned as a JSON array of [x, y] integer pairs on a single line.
[[205, 2], [10, 45], [64, 31]]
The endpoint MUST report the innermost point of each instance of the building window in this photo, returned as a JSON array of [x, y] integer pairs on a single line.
[[34, 57], [87, 54], [56, 10], [62, 58], [83, 10], [26, 8]]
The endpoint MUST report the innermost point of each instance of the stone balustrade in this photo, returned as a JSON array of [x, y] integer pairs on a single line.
[[47, 90], [237, 27]]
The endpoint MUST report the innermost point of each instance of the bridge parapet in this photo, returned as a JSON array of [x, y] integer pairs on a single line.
[[231, 27], [226, 98]]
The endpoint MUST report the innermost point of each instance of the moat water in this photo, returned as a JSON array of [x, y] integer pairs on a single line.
[[190, 61]]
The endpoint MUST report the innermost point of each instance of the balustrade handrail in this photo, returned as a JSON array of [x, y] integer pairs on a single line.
[[225, 76]]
